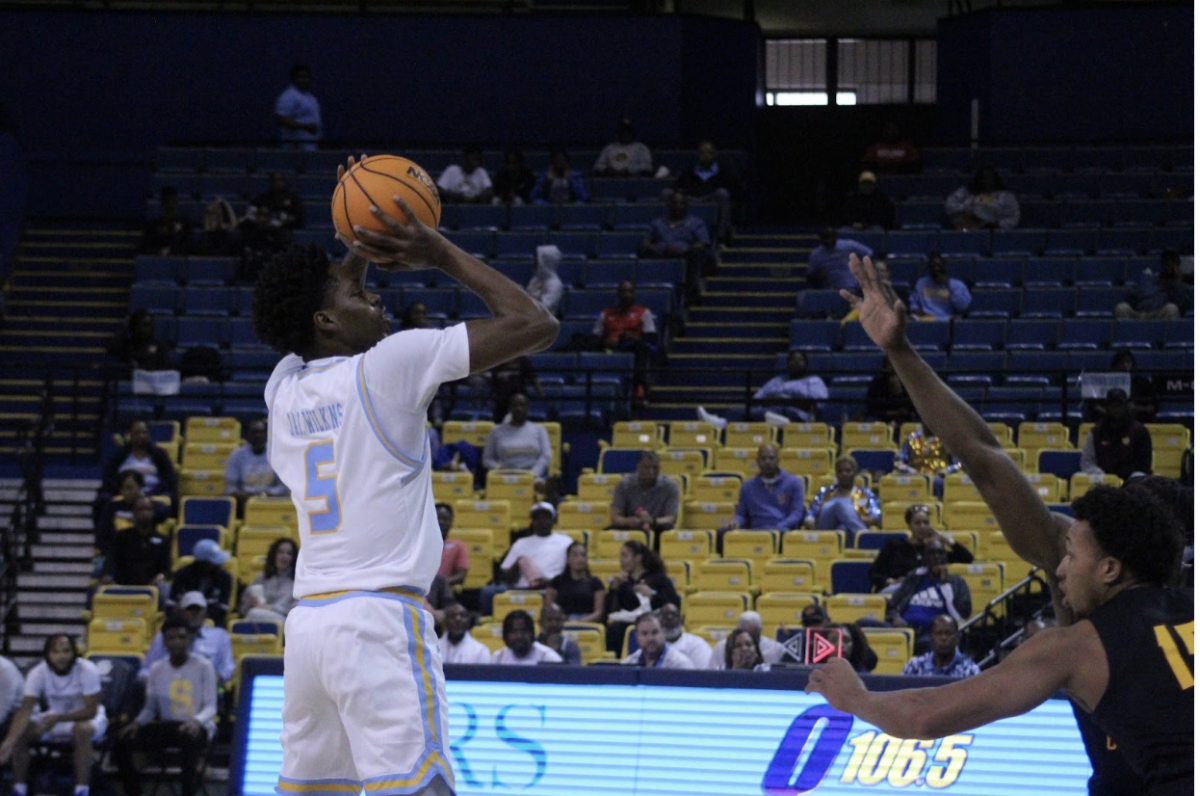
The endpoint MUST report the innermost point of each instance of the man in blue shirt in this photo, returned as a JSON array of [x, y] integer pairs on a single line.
[[298, 113], [680, 234], [770, 500], [829, 268], [937, 295], [945, 659]]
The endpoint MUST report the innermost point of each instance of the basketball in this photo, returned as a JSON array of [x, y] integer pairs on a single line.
[[374, 181]]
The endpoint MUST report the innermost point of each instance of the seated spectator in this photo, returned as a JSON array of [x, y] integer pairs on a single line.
[[856, 649], [742, 652], [680, 234], [642, 585], [179, 713], [117, 513], [468, 183], [937, 295], [625, 157], [298, 113], [892, 154], [457, 644], [751, 622], [456, 559], [923, 453], [170, 233], [61, 705], [210, 643], [12, 693], [219, 235], [1118, 444], [248, 473], [552, 620], [559, 184], [829, 263], [516, 376], [141, 454], [415, 316], [709, 181], [437, 599], [520, 648], [626, 325], [1162, 296], [284, 207], [518, 443], [206, 577], [771, 500], [1143, 398], [545, 285], [697, 650], [900, 557], [887, 400], [263, 235], [927, 592], [645, 499], [514, 180], [576, 589], [843, 505], [269, 596], [944, 659], [793, 397], [141, 556], [654, 651], [136, 347], [532, 561], [867, 208], [984, 204]]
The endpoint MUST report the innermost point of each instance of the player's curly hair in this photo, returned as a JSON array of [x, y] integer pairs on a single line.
[[291, 288], [1136, 528]]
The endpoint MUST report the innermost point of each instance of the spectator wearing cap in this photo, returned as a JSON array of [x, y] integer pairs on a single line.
[[211, 643], [654, 651], [533, 560], [625, 157], [867, 208], [206, 577], [1118, 444], [750, 621], [936, 295]]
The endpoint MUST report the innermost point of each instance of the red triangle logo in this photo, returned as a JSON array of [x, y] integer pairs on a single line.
[[821, 648]]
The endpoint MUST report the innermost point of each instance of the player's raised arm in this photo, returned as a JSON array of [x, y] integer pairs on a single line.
[[1033, 531], [519, 324]]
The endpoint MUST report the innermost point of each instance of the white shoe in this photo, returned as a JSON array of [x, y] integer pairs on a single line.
[[774, 419], [708, 417]]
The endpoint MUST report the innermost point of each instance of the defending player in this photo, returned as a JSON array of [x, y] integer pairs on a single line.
[[1037, 535], [364, 696]]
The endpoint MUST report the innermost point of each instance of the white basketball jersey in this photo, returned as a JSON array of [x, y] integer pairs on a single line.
[[347, 436]]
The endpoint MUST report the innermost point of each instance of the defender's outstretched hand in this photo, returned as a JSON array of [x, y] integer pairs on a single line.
[[880, 310], [838, 683]]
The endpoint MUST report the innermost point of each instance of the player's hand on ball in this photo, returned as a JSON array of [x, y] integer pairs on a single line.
[[409, 245], [837, 682], [880, 310]]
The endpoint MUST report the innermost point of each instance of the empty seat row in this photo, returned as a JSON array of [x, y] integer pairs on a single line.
[[1047, 185], [931, 214], [1075, 242], [1058, 158], [1028, 270]]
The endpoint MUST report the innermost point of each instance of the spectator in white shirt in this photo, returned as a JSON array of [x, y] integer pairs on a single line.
[[624, 157], [457, 645], [520, 648], [532, 561], [467, 183], [694, 647], [654, 651]]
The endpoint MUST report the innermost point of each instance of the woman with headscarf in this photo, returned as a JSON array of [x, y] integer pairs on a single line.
[[545, 286]]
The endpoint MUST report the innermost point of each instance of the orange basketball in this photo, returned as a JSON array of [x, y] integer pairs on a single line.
[[374, 181]]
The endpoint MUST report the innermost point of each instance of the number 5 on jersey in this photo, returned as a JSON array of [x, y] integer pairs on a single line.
[[322, 487]]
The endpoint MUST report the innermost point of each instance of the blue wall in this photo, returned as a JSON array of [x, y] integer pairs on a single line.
[[87, 87], [1053, 74]]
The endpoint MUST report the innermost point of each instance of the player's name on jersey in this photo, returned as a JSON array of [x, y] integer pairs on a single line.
[[315, 421]]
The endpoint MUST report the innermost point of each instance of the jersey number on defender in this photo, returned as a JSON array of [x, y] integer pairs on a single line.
[[321, 487], [1171, 649]]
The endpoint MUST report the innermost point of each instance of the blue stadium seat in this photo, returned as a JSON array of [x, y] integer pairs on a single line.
[[166, 327], [218, 301], [575, 244], [1082, 334], [1035, 335], [976, 242], [229, 160], [158, 299], [1086, 213], [1063, 464], [815, 335], [155, 269], [1041, 214], [855, 338], [289, 161], [584, 304], [518, 245], [883, 461], [1036, 368], [911, 242], [1048, 302], [1173, 359], [916, 214], [906, 270], [850, 577], [928, 335], [629, 216], [592, 217], [471, 306], [1181, 333], [532, 217], [200, 331], [1049, 158], [519, 271], [177, 159], [1097, 302], [619, 244], [572, 329], [609, 273], [573, 273], [1175, 237], [977, 362], [1001, 303], [946, 159], [1140, 213], [1048, 272], [1139, 334], [1099, 271], [1122, 241], [821, 304], [875, 540], [998, 272], [482, 217], [661, 273], [554, 364], [1088, 361], [241, 334], [659, 301], [1001, 158], [1070, 242], [209, 270], [978, 335], [1018, 242], [439, 302]]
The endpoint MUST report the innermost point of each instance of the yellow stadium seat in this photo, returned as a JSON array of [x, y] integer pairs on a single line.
[[706, 516], [1167, 462], [506, 602], [691, 434], [690, 463], [913, 488], [737, 460], [715, 488], [449, 487], [554, 432], [120, 607], [757, 546], [597, 487], [207, 455], [585, 515], [1047, 485], [474, 432], [270, 511], [578, 534], [713, 634], [806, 461], [724, 574], [969, 516], [783, 608], [604, 568], [1003, 432], [590, 638], [1018, 457], [715, 607], [637, 434], [849, 608], [820, 547], [608, 544], [494, 514], [481, 553], [227, 430], [958, 487], [201, 483], [808, 435], [1171, 435], [788, 575], [984, 579], [1032, 437], [968, 539], [680, 573], [490, 635], [1082, 482], [749, 435], [256, 540], [117, 636], [867, 436], [515, 486], [893, 646], [686, 545], [999, 552], [256, 644]]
